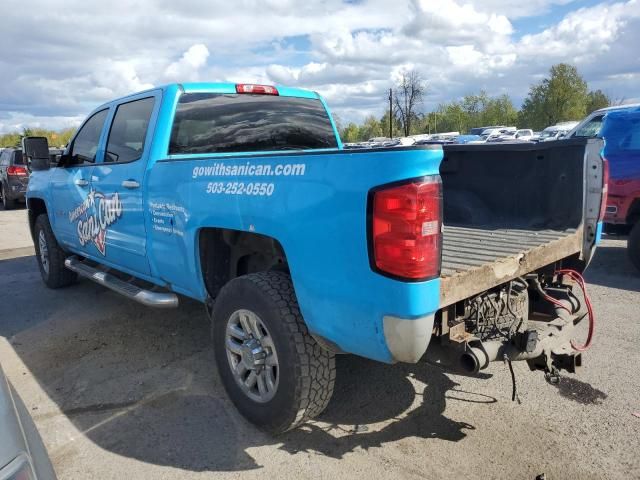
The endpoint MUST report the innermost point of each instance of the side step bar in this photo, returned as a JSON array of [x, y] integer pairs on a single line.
[[146, 297]]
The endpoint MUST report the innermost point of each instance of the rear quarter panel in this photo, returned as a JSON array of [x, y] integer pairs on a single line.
[[320, 219]]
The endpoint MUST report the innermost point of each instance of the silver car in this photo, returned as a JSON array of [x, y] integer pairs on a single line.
[[22, 453]]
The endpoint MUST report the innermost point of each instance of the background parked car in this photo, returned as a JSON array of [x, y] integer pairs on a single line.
[[22, 453], [14, 177], [480, 130], [524, 134], [620, 128], [557, 131]]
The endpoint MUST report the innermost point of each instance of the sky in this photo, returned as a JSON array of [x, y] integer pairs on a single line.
[[61, 59]]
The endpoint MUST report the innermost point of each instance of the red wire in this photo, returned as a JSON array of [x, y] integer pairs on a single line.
[[592, 319]]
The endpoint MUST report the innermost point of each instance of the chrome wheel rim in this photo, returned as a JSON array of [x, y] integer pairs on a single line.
[[44, 252], [252, 356]]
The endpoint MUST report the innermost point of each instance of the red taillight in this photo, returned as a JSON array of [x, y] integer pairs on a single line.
[[605, 187], [257, 89], [17, 171], [406, 229]]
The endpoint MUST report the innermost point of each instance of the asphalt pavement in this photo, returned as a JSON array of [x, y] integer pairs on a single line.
[[123, 391]]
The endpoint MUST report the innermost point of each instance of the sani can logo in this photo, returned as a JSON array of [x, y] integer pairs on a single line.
[[94, 216]]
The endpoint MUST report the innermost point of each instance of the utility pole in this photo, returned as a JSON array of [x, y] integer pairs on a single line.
[[390, 113]]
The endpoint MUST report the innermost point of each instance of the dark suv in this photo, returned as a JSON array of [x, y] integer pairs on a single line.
[[14, 177]]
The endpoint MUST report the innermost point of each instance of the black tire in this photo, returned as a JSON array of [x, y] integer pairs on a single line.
[[56, 275], [306, 371], [633, 245], [7, 203]]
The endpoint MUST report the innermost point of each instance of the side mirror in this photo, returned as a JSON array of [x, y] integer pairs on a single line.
[[35, 151]]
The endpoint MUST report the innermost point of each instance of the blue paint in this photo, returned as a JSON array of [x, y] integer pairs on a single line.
[[319, 218], [599, 233]]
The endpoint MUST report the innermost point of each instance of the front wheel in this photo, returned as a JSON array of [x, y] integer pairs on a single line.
[[273, 370], [50, 256], [633, 245]]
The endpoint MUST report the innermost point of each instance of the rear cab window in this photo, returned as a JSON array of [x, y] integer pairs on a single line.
[[239, 123], [17, 158]]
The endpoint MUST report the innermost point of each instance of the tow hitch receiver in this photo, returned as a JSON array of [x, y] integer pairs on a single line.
[[531, 318]]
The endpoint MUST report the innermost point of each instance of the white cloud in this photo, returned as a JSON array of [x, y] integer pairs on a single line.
[[85, 53], [17, 121], [187, 68], [583, 35]]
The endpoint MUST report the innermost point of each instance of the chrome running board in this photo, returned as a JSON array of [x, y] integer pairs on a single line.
[[140, 295]]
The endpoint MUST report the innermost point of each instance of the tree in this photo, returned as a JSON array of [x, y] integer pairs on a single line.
[[384, 123], [472, 111], [351, 133], [561, 97], [408, 95], [596, 100], [371, 128]]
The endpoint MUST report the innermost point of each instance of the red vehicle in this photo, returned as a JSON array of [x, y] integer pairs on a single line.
[[620, 128]]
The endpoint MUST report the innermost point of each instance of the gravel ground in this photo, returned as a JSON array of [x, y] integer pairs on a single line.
[[121, 391]]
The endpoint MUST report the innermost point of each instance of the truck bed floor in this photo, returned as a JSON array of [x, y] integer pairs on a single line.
[[476, 259]]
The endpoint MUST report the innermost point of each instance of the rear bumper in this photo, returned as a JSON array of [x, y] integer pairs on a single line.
[[15, 189], [407, 339]]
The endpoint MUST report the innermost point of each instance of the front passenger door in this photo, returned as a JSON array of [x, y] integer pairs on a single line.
[[74, 219]]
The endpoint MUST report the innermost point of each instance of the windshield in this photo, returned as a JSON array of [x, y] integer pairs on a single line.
[[221, 123], [548, 133]]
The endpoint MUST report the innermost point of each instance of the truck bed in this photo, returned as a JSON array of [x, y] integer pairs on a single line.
[[477, 259], [509, 209]]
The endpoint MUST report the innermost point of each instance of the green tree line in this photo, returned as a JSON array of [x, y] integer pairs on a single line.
[[56, 138], [562, 96]]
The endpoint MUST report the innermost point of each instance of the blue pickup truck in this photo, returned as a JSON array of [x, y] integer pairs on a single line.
[[242, 197]]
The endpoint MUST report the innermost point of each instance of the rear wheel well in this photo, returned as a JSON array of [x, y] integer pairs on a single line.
[[634, 212], [226, 254], [36, 208]]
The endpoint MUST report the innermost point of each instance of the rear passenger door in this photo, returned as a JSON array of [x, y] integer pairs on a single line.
[[119, 182]]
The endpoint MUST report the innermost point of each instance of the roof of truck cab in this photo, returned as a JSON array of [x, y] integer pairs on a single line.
[[212, 87], [629, 106], [227, 87]]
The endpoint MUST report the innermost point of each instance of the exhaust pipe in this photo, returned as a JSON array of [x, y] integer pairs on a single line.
[[473, 360]]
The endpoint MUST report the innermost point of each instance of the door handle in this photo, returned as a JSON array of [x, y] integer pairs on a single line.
[[81, 182], [130, 184]]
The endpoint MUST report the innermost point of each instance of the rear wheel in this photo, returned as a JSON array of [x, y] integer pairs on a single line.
[[50, 256], [7, 203], [633, 245], [275, 373]]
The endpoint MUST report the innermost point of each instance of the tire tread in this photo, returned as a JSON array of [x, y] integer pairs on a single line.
[[314, 367], [633, 245], [59, 276]]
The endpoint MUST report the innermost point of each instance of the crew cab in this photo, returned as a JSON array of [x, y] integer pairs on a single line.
[[620, 128], [242, 197]]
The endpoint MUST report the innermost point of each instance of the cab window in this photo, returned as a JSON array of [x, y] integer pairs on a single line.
[[591, 128], [129, 130], [85, 145]]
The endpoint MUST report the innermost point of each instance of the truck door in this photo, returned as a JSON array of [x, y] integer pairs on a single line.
[[118, 182], [71, 194]]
